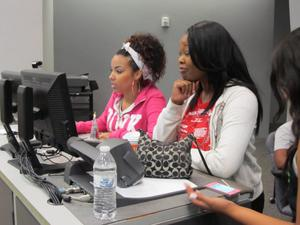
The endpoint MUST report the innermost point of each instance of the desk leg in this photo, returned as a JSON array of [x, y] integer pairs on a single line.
[[6, 204], [23, 216]]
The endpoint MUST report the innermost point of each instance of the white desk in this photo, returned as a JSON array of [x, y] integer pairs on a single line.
[[30, 204], [32, 196]]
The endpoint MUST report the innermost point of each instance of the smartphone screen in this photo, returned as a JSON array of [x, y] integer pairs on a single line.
[[222, 188]]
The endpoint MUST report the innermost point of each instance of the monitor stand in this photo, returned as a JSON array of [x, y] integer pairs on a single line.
[[39, 168], [8, 148], [43, 168], [13, 148]]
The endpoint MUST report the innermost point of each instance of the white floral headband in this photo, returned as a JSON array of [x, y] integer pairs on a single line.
[[138, 61]]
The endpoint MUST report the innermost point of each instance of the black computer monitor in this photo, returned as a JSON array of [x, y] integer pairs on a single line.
[[6, 109], [15, 79], [53, 121]]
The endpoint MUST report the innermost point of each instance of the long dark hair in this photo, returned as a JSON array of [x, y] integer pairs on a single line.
[[213, 51], [285, 77]]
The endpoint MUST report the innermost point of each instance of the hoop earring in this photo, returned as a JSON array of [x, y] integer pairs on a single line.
[[138, 87], [132, 86]]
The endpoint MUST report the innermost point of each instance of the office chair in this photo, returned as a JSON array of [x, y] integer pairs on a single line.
[[280, 183]]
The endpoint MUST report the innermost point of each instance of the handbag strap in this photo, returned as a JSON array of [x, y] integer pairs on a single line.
[[202, 157]]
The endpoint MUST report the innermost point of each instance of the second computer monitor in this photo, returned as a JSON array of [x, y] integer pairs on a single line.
[[53, 116]]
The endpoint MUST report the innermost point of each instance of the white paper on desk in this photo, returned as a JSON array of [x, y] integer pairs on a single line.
[[14, 128], [151, 187]]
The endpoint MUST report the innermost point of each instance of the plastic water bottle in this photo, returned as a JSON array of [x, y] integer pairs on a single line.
[[105, 180], [94, 128]]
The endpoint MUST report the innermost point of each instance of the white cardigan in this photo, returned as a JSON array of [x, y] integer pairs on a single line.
[[232, 126]]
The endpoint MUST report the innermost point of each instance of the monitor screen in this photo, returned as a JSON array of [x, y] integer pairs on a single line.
[[53, 116]]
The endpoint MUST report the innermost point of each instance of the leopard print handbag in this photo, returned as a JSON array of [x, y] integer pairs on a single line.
[[162, 160]]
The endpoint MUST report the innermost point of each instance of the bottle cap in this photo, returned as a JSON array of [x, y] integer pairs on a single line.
[[104, 148]]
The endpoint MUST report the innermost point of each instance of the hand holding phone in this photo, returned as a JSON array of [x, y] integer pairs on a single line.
[[223, 189]]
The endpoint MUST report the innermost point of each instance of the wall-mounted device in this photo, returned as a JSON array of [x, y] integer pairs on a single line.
[[165, 22]]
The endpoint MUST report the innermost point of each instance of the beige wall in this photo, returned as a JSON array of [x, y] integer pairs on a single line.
[[48, 58], [20, 33], [88, 33], [295, 14]]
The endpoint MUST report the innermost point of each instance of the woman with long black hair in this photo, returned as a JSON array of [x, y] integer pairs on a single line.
[[285, 82], [217, 101]]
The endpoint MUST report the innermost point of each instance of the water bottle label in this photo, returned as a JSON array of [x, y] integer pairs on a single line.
[[104, 182]]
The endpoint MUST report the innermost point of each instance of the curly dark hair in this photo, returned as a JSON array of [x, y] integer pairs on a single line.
[[152, 53]]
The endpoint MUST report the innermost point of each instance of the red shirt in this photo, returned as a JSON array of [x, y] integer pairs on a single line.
[[198, 124]]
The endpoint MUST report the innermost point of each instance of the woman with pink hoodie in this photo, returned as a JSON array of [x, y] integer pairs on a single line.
[[135, 102]]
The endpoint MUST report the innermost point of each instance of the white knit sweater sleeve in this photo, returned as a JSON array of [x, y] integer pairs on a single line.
[[239, 121], [168, 121]]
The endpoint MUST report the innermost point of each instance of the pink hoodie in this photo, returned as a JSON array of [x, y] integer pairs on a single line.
[[142, 114]]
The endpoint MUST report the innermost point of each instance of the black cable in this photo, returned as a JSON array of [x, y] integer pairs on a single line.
[[68, 159], [45, 147], [28, 171], [202, 157], [55, 154], [47, 158]]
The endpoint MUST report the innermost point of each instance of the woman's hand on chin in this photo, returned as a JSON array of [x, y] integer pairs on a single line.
[[182, 90]]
